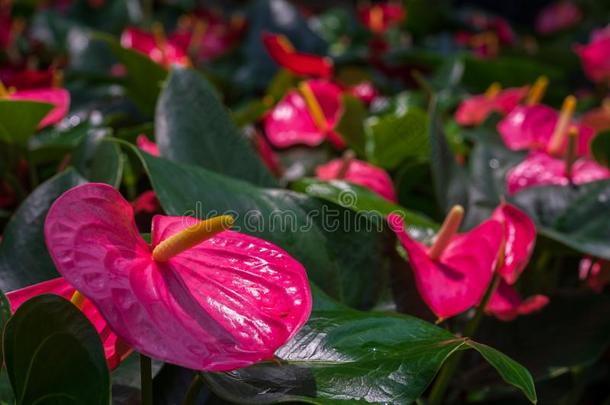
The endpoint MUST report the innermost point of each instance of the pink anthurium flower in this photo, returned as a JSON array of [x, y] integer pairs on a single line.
[[147, 145], [198, 296], [156, 46], [595, 56], [598, 118], [595, 272], [519, 240], [474, 110], [60, 98], [24, 79], [539, 127], [558, 17], [146, 203], [267, 154], [379, 17], [306, 116], [364, 91], [506, 304], [453, 274], [540, 169], [283, 53], [358, 172], [114, 348]]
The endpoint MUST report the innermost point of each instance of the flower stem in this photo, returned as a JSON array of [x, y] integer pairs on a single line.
[[437, 393], [146, 380], [193, 391]]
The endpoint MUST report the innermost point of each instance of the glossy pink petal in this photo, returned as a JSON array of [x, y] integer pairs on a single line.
[[558, 16], [299, 63], [519, 240], [508, 99], [459, 279], [147, 145], [165, 54], [361, 173], [290, 122], [60, 98], [540, 169], [226, 303], [115, 349], [474, 110], [506, 304], [595, 56]]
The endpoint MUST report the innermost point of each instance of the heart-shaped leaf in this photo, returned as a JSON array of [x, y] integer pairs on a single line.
[[193, 127], [19, 119], [54, 355], [24, 259]]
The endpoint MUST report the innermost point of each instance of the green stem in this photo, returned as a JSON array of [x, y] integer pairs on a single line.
[[437, 394], [146, 380], [193, 391]]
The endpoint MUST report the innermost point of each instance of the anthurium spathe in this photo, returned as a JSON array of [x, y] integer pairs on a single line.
[[558, 16], [115, 349], [358, 172], [147, 145], [219, 303], [379, 17], [595, 56], [474, 110], [283, 53], [58, 97], [306, 116], [540, 169], [453, 274], [156, 46], [506, 304]]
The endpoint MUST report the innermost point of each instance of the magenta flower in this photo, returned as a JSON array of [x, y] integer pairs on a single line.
[[453, 274], [283, 53], [380, 17], [474, 110], [358, 172], [147, 145], [156, 46], [595, 272], [506, 304], [558, 17], [267, 154], [199, 296], [540, 169], [114, 348], [146, 203], [306, 116], [595, 56], [60, 98], [22, 79], [364, 91]]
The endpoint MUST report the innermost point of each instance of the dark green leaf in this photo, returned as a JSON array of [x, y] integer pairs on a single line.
[[19, 119], [510, 371], [351, 123], [193, 127], [54, 355], [337, 246], [24, 259], [99, 160], [394, 137], [600, 146], [578, 217]]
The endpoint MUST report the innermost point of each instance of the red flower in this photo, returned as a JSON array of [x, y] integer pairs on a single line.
[[304, 64], [378, 18], [147, 145], [59, 98], [506, 304], [474, 110], [557, 17], [595, 56], [595, 272], [154, 45]]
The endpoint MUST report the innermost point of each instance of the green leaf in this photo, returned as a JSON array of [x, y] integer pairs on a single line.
[[393, 138], [344, 356], [193, 127], [5, 314], [54, 355], [144, 77], [364, 201], [600, 146], [351, 123], [337, 246], [577, 217], [19, 119], [99, 160], [24, 259], [510, 371]]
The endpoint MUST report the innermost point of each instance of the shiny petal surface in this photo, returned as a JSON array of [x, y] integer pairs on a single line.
[[298, 63], [540, 169], [519, 240], [459, 279], [166, 54], [361, 173], [60, 98], [147, 145], [506, 304], [474, 110], [227, 303], [114, 348]]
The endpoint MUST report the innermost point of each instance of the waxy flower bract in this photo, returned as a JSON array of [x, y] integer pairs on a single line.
[[224, 303]]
